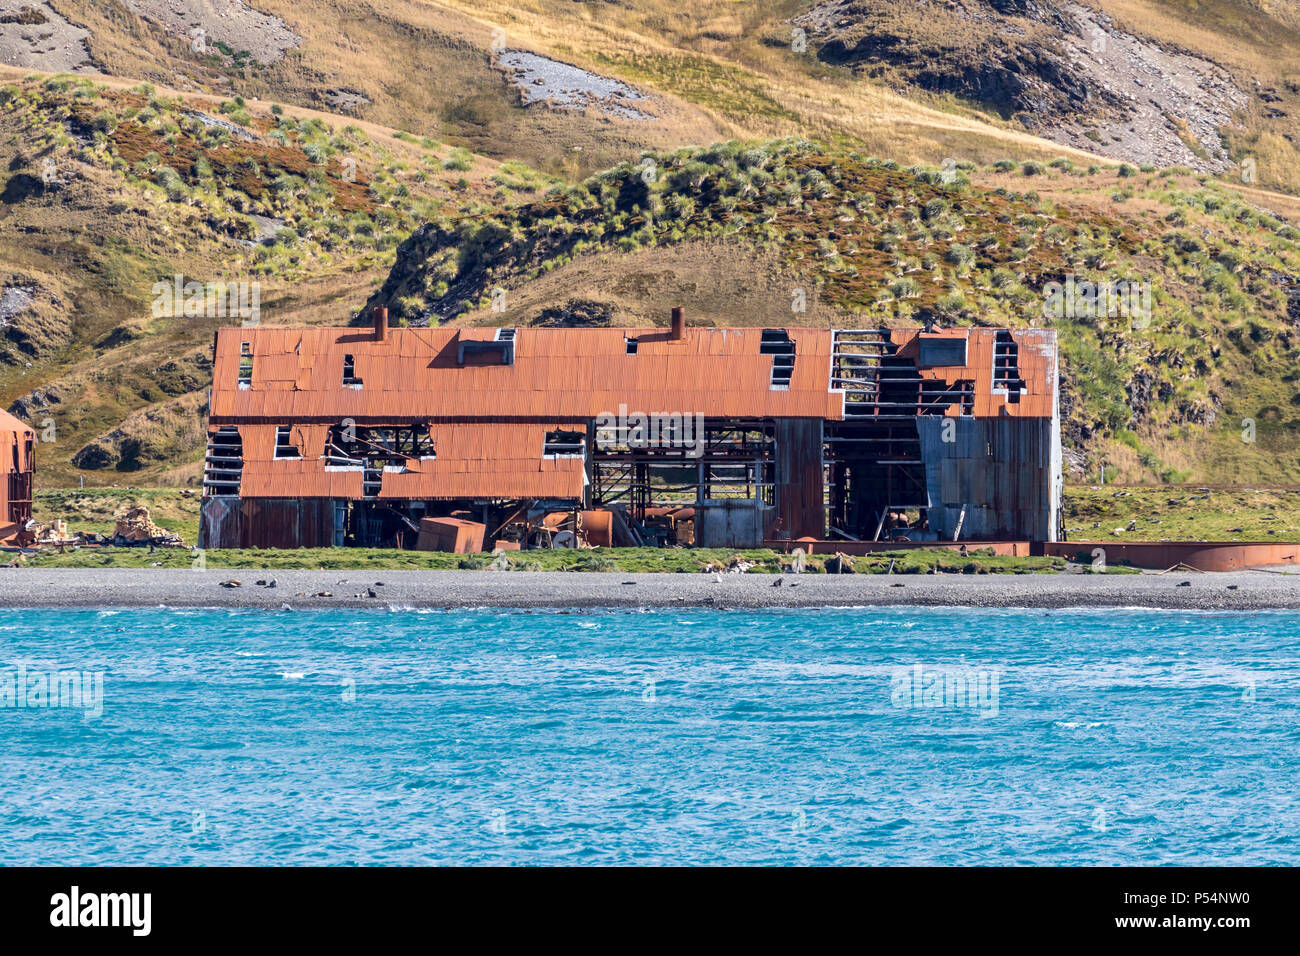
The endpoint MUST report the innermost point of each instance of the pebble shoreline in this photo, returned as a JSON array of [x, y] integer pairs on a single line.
[[149, 587]]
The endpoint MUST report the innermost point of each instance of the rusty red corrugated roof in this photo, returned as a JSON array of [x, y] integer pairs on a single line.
[[414, 375], [473, 459], [13, 426], [489, 421]]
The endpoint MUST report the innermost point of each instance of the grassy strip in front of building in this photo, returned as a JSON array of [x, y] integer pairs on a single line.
[[624, 560]]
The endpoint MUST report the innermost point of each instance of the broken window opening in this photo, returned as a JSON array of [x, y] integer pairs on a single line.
[[564, 444], [245, 364], [631, 345], [1006, 366], [374, 448], [284, 446], [778, 344], [223, 467], [350, 379], [938, 396]]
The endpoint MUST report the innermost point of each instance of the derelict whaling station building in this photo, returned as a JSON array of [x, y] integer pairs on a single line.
[[349, 436]]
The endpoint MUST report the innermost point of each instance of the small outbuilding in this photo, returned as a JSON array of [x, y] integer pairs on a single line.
[[17, 468]]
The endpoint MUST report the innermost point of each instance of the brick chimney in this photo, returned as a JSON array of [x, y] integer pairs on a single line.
[[381, 323], [679, 324]]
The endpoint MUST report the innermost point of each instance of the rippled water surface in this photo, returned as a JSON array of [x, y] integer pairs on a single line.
[[808, 736]]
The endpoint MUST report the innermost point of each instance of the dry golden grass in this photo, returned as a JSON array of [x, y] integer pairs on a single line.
[[715, 72], [725, 282], [819, 101], [425, 68], [718, 68]]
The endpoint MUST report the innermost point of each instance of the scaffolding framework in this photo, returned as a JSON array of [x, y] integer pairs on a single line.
[[727, 460]]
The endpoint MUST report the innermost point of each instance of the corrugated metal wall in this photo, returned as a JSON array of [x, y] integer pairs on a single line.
[[413, 375], [17, 465], [1006, 472], [731, 522], [799, 477], [230, 522]]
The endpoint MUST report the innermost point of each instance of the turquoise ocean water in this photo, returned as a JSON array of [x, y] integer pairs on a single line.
[[857, 736]]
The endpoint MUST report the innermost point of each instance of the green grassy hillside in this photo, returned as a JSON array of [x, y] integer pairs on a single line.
[[110, 191], [1165, 396]]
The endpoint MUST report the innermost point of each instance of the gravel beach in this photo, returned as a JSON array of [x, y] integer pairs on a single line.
[[49, 587]]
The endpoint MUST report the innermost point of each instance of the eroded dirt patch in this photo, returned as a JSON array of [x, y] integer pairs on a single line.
[[34, 36], [228, 26]]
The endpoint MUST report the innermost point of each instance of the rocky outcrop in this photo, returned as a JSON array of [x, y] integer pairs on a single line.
[[163, 433], [37, 401], [34, 322], [1063, 69], [576, 314]]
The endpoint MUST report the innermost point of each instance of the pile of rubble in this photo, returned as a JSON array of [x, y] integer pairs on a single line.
[[136, 527], [52, 533]]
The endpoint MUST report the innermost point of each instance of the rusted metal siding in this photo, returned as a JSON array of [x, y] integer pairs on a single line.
[[17, 470], [414, 375], [486, 459], [228, 522], [576, 374], [478, 459], [451, 534], [1036, 362], [488, 414], [1000, 470], [1003, 465], [265, 476], [799, 478], [1201, 555]]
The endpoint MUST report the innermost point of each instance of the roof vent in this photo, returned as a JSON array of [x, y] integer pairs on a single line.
[[499, 351], [935, 351]]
